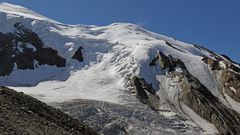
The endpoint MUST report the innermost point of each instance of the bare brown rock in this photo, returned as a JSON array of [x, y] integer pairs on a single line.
[[21, 114]]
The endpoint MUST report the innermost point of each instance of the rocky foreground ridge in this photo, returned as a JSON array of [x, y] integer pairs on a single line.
[[23, 115]]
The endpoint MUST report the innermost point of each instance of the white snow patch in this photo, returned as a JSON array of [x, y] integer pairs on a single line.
[[31, 47], [69, 45], [233, 89], [221, 63]]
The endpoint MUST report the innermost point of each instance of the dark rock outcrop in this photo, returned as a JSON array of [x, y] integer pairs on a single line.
[[6, 51], [24, 47], [230, 75], [171, 45], [25, 35], [145, 93], [214, 64], [231, 83], [21, 114], [78, 55], [197, 97], [167, 62], [162, 60], [49, 56]]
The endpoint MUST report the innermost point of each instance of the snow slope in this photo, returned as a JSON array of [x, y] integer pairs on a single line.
[[112, 55], [18, 11]]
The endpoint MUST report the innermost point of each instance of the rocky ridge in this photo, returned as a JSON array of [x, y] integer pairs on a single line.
[[22, 114]]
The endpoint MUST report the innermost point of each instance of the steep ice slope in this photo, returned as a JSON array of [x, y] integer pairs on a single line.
[[112, 56]]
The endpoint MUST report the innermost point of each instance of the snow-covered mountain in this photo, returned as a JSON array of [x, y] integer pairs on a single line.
[[140, 81]]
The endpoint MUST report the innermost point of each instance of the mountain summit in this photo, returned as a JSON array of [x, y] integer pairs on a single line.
[[120, 78]]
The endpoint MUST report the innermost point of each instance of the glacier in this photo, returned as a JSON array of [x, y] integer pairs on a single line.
[[112, 56]]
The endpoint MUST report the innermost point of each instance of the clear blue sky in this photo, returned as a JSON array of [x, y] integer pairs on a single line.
[[214, 24]]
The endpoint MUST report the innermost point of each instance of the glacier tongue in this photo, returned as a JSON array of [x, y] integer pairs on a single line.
[[109, 118]]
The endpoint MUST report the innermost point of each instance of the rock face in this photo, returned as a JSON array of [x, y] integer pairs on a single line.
[[78, 55], [21, 114], [145, 93], [197, 97], [25, 49], [231, 84], [162, 60], [229, 75], [214, 64], [6, 64]]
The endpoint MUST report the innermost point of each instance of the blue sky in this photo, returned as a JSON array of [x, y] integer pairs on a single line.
[[214, 24]]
